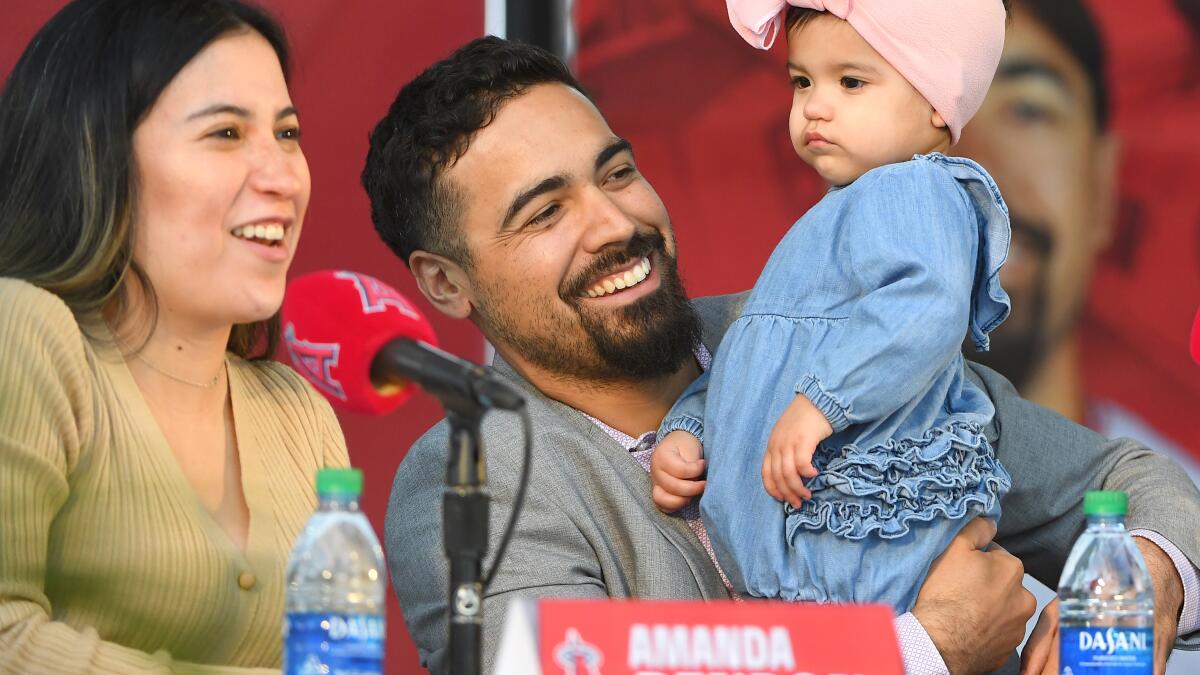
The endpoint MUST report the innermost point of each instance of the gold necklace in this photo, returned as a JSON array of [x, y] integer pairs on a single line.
[[198, 385]]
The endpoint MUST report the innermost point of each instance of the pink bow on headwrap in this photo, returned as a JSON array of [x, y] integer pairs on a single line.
[[948, 54]]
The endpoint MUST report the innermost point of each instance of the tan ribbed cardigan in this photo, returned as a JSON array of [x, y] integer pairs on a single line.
[[108, 560]]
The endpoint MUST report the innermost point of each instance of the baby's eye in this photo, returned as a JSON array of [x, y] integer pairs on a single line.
[[800, 82], [852, 83]]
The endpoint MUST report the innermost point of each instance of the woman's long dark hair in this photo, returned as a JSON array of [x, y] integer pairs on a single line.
[[67, 116]]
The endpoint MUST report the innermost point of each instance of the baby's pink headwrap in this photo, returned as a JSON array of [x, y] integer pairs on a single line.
[[947, 49]]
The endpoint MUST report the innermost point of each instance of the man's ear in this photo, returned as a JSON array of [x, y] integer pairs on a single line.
[[443, 282]]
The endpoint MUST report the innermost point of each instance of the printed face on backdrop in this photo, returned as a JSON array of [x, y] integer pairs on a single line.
[[1037, 136], [222, 186], [573, 258], [851, 110]]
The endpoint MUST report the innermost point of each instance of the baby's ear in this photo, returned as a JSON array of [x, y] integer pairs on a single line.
[[937, 120]]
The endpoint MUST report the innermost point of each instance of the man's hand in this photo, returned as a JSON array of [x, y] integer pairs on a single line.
[[790, 450], [1168, 599], [972, 603], [1040, 656], [1041, 652], [675, 471]]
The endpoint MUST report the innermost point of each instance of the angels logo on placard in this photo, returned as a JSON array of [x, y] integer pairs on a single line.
[[577, 657], [316, 359]]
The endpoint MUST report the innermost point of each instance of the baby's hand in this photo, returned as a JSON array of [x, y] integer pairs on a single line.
[[790, 450], [675, 471]]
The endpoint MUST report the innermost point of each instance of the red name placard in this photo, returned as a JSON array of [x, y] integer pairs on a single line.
[[590, 637]]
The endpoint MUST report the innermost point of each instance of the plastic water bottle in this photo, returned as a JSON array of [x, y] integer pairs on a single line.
[[1106, 613], [336, 583]]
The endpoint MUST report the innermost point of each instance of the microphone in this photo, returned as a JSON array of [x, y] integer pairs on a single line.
[[362, 344]]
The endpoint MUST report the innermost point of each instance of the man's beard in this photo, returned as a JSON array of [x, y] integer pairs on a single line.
[[1017, 352], [651, 337]]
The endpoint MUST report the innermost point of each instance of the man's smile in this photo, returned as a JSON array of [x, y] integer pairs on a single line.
[[629, 277]]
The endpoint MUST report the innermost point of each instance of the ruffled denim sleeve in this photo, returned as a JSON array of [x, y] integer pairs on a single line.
[[913, 243], [989, 302], [688, 412]]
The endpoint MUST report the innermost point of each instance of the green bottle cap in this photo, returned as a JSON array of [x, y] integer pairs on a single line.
[[339, 482], [1105, 503]]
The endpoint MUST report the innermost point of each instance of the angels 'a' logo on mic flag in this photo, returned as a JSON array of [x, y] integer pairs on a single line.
[[337, 323], [377, 296], [316, 361]]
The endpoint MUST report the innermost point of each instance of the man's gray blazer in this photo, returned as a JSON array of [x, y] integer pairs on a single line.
[[590, 530]]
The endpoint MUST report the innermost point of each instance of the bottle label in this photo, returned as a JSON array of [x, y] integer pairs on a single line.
[[333, 644], [1101, 651]]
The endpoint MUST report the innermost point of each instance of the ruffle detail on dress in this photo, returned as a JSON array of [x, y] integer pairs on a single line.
[[990, 304], [948, 473]]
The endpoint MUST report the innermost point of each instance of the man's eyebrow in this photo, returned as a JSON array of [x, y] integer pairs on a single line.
[[548, 185], [557, 182], [223, 108], [1020, 68], [612, 150]]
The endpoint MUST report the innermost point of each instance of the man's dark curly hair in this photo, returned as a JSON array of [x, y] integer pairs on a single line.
[[430, 126]]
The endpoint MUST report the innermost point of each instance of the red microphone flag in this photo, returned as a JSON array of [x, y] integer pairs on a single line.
[[1196, 338], [335, 322]]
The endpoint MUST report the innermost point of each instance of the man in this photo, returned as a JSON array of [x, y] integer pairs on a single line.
[[1043, 133], [501, 186]]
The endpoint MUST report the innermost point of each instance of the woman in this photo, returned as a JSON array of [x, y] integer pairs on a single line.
[[155, 468]]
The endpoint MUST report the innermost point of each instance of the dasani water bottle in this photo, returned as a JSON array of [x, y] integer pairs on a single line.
[[335, 586], [1106, 613]]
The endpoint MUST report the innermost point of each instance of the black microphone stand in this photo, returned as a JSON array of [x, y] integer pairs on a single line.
[[466, 392], [465, 536]]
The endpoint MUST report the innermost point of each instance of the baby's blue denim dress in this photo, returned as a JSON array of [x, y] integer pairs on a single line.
[[862, 308]]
